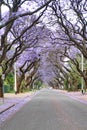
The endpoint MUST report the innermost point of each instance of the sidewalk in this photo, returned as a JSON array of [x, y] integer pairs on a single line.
[[76, 95], [11, 100]]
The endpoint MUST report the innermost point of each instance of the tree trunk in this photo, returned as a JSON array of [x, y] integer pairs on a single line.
[[0, 12], [18, 86], [85, 79], [1, 87], [19, 81]]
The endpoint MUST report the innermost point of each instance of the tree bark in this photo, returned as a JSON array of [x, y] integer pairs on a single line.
[[1, 87], [18, 86], [85, 79], [19, 81]]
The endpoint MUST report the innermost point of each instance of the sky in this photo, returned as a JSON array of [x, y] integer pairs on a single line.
[[4, 9]]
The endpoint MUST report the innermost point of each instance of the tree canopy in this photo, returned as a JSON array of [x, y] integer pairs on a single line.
[[42, 38]]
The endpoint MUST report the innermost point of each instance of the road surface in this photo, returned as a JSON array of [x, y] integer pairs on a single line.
[[49, 110]]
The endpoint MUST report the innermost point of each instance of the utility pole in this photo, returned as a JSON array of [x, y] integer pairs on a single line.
[[15, 79]]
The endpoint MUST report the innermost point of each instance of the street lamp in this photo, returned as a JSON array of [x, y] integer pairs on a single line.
[[82, 67]]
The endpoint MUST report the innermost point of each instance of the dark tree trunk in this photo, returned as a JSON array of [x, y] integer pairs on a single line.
[[19, 81], [85, 79], [1, 87], [18, 86]]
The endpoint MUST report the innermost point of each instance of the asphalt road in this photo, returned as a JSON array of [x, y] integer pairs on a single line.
[[49, 110]]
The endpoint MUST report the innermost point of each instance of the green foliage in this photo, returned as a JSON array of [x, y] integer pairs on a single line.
[[65, 84], [38, 84], [73, 83], [9, 83], [6, 88], [0, 70]]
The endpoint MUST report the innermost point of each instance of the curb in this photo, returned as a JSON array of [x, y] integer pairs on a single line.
[[6, 108], [75, 98], [9, 105]]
